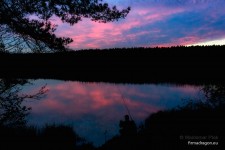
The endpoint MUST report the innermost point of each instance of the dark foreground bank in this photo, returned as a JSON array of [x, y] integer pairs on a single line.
[[195, 65]]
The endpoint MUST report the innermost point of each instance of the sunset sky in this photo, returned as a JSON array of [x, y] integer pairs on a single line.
[[152, 23]]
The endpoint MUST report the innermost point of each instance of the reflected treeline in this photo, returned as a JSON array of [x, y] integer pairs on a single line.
[[199, 124], [14, 131], [178, 65]]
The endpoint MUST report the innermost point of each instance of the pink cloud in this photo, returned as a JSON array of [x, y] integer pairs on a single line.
[[88, 34], [156, 15], [180, 41], [146, 16]]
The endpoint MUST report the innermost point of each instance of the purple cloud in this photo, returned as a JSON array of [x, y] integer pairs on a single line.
[[152, 23]]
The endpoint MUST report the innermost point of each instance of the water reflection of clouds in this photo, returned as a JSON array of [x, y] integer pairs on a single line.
[[95, 107], [79, 99]]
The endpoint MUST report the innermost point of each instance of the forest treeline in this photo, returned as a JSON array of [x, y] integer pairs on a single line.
[[178, 64]]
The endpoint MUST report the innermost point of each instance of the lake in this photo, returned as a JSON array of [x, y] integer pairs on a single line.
[[95, 109]]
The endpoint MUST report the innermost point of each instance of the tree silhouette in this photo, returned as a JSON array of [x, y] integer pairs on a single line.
[[12, 111], [215, 95], [18, 31]]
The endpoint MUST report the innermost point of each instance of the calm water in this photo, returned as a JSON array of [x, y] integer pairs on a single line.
[[94, 108]]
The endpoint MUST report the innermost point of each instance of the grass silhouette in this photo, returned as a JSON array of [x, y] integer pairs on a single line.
[[57, 137]]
